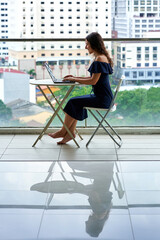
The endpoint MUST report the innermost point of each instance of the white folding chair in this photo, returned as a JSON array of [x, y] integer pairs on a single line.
[[112, 108]]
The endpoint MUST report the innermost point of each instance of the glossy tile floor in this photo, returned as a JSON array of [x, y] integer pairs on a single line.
[[61, 192]]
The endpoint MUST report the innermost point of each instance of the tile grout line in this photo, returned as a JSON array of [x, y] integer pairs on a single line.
[[7, 146], [127, 201]]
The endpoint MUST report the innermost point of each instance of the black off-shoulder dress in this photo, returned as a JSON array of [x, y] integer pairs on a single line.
[[101, 97]]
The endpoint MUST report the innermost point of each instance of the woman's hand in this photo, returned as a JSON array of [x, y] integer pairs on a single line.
[[69, 78]]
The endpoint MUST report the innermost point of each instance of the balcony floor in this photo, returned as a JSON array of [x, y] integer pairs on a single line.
[[62, 192]]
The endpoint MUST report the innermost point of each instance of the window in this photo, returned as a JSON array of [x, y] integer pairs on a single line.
[[118, 49], [123, 65], [69, 54], [154, 48], [135, 2], [138, 64], [154, 64], [154, 56], [157, 74], [141, 74], [127, 74], [138, 49], [146, 56], [146, 49], [149, 74], [146, 64], [43, 54], [138, 56], [134, 74], [70, 46]]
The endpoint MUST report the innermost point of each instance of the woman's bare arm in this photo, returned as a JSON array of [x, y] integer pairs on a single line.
[[84, 80]]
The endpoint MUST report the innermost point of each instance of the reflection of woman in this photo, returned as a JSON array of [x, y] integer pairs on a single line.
[[101, 204], [99, 79]]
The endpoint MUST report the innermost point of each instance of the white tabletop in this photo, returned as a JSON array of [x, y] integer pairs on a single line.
[[49, 82]]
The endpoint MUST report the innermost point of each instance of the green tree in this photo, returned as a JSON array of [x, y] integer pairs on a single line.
[[32, 73], [5, 112]]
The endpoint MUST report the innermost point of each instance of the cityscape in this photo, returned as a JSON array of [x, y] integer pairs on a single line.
[[127, 27]]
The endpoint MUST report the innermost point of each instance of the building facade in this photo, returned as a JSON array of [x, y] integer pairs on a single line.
[[139, 62], [133, 18], [60, 19]]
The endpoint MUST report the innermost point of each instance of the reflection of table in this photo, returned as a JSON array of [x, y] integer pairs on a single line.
[[48, 83]]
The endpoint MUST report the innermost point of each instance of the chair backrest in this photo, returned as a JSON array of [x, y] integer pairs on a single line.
[[117, 90]]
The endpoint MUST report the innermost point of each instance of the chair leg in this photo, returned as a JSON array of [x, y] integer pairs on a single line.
[[110, 126], [79, 134], [95, 130], [100, 124]]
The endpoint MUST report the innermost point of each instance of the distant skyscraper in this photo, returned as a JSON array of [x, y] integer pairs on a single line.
[[133, 18]]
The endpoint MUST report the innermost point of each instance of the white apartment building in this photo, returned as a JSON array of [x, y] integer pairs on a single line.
[[3, 30], [60, 19], [9, 24], [139, 62], [133, 18]]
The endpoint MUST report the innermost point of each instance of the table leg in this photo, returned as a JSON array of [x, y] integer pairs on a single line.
[[55, 114], [62, 109]]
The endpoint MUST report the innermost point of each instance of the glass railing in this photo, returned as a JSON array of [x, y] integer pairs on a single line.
[[23, 105]]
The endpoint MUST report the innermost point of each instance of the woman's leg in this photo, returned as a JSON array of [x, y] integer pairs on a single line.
[[67, 137], [62, 132]]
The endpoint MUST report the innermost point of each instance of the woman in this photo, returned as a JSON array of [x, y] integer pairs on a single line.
[[102, 96]]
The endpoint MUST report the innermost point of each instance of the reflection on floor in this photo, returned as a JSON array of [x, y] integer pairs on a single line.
[[62, 192]]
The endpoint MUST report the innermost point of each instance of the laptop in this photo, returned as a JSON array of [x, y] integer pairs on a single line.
[[54, 79]]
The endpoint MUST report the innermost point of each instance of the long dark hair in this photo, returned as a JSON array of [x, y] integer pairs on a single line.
[[97, 44]]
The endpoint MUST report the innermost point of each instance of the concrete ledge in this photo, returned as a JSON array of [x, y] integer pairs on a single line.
[[120, 130]]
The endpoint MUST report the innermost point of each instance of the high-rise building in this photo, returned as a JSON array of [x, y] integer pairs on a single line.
[[3, 29], [59, 19], [133, 18]]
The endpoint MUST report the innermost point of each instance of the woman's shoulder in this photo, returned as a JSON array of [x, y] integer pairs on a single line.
[[101, 58]]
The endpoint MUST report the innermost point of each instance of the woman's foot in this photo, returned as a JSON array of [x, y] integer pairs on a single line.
[[66, 139], [58, 134]]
